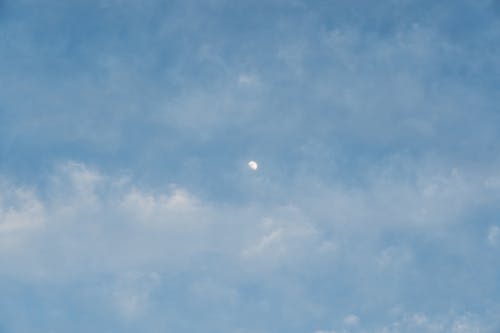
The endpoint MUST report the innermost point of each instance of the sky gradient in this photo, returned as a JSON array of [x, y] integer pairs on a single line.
[[126, 202]]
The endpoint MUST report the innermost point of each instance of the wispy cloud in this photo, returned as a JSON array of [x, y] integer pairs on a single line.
[[128, 243], [374, 208]]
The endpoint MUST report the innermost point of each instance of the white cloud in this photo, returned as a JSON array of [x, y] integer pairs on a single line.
[[271, 243], [247, 79], [88, 223], [159, 207], [21, 210], [493, 235], [286, 238], [393, 257], [84, 206], [351, 320], [422, 323], [454, 323]]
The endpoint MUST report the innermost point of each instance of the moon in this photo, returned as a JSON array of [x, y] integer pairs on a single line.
[[253, 165]]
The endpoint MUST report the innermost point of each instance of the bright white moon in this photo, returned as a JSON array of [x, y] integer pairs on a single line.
[[253, 165]]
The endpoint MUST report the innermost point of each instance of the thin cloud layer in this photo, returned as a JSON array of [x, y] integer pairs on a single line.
[[130, 247], [126, 202]]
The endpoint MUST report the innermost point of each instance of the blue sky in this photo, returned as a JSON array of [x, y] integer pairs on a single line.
[[126, 204]]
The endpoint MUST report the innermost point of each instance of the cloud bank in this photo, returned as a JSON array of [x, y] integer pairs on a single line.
[[157, 259]]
